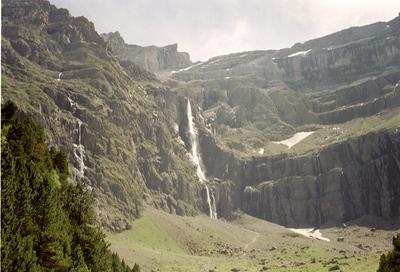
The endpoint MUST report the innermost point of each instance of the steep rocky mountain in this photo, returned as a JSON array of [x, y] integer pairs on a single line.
[[301, 136], [151, 58], [115, 120], [341, 91]]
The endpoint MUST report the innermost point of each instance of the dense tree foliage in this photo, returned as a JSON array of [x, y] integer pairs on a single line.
[[391, 262], [47, 222]]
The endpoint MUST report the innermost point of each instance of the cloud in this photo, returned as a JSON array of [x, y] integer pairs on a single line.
[[206, 28]]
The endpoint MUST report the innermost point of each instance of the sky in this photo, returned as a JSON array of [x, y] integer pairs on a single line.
[[208, 28]]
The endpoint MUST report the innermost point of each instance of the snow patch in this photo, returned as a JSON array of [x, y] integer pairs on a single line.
[[349, 43], [209, 63], [186, 68], [310, 233], [298, 137], [214, 61], [227, 77], [300, 53]]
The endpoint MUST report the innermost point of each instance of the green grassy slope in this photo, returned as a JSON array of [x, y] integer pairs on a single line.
[[164, 242]]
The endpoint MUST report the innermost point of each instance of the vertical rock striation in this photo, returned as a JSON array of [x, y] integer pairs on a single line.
[[339, 183], [151, 58]]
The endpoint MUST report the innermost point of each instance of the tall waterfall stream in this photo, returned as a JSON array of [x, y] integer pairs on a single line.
[[196, 159]]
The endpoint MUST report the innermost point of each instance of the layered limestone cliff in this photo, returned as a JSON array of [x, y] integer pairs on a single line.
[[361, 99], [340, 58], [128, 133], [337, 184], [151, 58], [252, 100]]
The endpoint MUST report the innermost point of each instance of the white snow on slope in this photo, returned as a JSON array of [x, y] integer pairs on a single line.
[[186, 68], [311, 233], [300, 53], [298, 137]]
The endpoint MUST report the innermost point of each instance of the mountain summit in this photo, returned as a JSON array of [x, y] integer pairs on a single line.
[[151, 58]]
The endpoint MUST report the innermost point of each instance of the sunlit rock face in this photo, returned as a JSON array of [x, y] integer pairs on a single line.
[[151, 58], [339, 183], [117, 130], [342, 57], [128, 132], [252, 99]]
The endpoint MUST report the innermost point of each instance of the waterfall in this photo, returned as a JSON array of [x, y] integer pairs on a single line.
[[79, 151], [196, 159], [210, 206], [59, 76]]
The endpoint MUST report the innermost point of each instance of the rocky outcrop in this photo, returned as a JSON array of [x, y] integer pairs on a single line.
[[127, 133], [347, 35], [341, 58], [151, 58], [248, 66], [339, 183], [119, 132], [224, 193], [24, 22], [360, 99], [249, 98]]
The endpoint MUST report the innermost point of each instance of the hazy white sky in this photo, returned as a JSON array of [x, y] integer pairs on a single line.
[[207, 28]]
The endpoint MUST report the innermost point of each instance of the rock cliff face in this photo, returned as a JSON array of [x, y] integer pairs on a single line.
[[119, 132], [127, 132], [325, 61], [151, 58], [363, 99], [250, 100], [339, 183]]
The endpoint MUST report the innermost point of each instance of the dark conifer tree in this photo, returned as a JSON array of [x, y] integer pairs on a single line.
[[390, 262], [48, 224]]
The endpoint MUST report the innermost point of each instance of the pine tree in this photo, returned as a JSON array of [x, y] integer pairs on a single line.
[[79, 264], [17, 240], [136, 268], [391, 261], [48, 224]]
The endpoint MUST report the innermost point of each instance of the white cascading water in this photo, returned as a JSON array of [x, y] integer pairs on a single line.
[[79, 151], [195, 156], [59, 76]]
